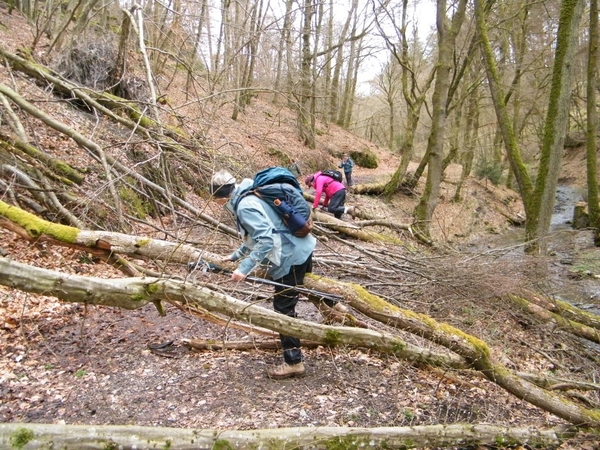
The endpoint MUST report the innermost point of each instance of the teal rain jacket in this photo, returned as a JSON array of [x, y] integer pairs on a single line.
[[266, 240]]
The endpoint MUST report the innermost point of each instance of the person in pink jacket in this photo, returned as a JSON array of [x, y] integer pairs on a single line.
[[335, 194]]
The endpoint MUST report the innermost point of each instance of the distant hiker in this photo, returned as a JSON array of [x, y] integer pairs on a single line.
[[347, 164], [294, 167], [267, 242], [335, 194]]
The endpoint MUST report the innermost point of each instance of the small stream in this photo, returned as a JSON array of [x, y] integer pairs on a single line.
[[566, 198], [569, 251]]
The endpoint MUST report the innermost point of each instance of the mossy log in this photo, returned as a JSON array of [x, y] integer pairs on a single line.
[[60, 168], [369, 189], [563, 309], [475, 351], [592, 334], [35, 228], [101, 437], [64, 87], [355, 229], [134, 293], [170, 139], [352, 230], [556, 383]]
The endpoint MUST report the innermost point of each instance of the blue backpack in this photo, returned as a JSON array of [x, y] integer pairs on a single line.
[[277, 187]]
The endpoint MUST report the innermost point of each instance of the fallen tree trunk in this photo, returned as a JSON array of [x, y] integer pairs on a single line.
[[134, 293], [60, 169], [563, 309], [35, 228], [100, 101], [576, 328], [354, 229], [41, 436], [350, 229], [475, 351], [369, 189], [141, 291], [99, 155]]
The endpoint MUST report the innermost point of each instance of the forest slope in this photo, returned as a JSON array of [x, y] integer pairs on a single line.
[[92, 365]]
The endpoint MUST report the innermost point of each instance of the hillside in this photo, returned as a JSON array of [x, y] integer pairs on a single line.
[[80, 364]]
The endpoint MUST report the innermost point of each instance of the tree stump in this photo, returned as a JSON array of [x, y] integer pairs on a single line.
[[581, 218]]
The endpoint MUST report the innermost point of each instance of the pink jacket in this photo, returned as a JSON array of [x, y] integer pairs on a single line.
[[323, 183]]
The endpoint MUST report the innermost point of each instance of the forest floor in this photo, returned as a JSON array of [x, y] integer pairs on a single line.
[[75, 364]]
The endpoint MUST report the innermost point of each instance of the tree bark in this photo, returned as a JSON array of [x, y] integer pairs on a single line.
[[544, 196], [100, 437], [592, 122], [538, 201], [134, 293], [435, 145], [305, 97]]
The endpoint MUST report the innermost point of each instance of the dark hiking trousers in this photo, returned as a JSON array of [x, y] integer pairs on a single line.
[[348, 178], [336, 204], [284, 302]]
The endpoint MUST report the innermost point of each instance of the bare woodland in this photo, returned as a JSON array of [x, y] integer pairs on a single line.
[[114, 117]]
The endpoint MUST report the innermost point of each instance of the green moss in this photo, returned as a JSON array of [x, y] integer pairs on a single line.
[[142, 242], [134, 202], [339, 443], [381, 305], [408, 443], [222, 444], [281, 156], [21, 437], [111, 446], [365, 158], [168, 445], [153, 288], [138, 297], [564, 306], [587, 263], [348, 443], [332, 337], [36, 227], [398, 346]]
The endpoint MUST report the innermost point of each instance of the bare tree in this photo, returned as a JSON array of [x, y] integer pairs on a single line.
[[592, 121], [414, 90], [435, 147]]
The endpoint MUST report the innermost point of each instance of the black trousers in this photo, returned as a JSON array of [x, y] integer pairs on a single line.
[[285, 301], [348, 178], [336, 204]]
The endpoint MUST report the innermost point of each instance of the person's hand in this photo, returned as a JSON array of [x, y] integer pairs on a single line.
[[237, 276], [226, 259]]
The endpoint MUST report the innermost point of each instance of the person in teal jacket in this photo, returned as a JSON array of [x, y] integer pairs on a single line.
[[347, 164], [268, 244]]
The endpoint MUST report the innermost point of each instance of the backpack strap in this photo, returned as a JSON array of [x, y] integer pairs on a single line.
[[326, 185], [245, 194], [258, 194]]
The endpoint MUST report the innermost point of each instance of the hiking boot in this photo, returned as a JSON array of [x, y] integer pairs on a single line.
[[353, 211], [285, 370]]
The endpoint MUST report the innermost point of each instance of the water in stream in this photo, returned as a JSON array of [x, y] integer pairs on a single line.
[[572, 263], [566, 198]]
